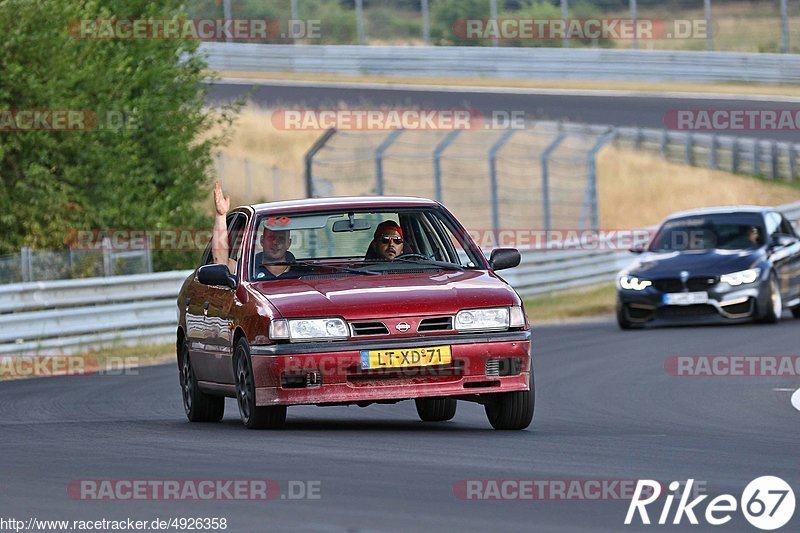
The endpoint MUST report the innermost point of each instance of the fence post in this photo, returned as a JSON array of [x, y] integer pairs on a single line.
[[688, 150], [709, 33], [437, 162], [26, 266], [148, 254], [565, 15], [638, 137], [590, 199], [713, 163], [634, 16], [664, 142], [387, 142], [276, 183], [791, 156], [248, 181], [426, 22], [773, 160], [360, 21], [734, 155], [756, 158], [785, 26], [108, 260], [496, 147], [545, 164], [318, 145]]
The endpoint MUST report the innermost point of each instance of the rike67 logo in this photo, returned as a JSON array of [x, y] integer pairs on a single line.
[[767, 503]]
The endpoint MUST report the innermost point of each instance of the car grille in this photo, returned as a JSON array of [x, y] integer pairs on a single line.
[[443, 323], [683, 311], [369, 328], [692, 284]]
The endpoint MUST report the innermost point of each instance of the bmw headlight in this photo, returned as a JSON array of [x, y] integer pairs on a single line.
[[312, 329], [633, 283], [489, 319], [741, 278]]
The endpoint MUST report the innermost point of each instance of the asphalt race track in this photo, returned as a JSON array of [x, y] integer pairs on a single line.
[[606, 409], [645, 111]]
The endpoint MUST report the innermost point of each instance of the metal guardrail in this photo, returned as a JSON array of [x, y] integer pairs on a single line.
[[68, 315], [502, 62]]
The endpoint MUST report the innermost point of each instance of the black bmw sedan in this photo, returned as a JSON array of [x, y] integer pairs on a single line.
[[713, 265]]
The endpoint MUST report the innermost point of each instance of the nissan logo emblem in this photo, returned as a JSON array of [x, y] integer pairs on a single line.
[[402, 327]]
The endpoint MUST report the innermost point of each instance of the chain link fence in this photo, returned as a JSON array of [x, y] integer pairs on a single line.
[[543, 176], [44, 265]]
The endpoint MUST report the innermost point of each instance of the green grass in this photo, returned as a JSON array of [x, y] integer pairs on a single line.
[[571, 303]]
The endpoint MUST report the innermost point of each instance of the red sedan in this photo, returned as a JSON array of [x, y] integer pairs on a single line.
[[346, 301]]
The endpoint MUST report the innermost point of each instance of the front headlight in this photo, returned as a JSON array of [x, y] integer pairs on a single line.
[[490, 319], [633, 283], [740, 278], [313, 329]]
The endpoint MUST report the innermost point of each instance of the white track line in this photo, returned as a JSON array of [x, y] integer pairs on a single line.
[[466, 89]]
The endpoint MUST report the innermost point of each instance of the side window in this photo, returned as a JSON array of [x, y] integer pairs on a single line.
[[773, 220], [786, 227], [236, 237], [235, 223]]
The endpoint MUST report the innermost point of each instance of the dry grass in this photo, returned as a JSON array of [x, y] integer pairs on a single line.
[[272, 153], [572, 303], [636, 86], [639, 189]]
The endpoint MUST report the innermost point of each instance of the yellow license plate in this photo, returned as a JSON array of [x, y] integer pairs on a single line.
[[405, 357]]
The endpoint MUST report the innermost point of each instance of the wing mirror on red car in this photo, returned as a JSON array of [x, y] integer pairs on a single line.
[[216, 275], [504, 258]]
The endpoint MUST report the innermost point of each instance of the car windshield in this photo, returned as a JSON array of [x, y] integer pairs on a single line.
[[729, 231], [345, 243]]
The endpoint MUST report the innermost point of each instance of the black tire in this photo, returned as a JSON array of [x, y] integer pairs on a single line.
[[623, 322], [436, 409], [199, 406], [796, 311], [253, 417], [512, 410], [772, 315]]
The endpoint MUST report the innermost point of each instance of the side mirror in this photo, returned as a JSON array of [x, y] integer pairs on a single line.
[[216, 275], [504, 258], [782, 240], [638, 250]]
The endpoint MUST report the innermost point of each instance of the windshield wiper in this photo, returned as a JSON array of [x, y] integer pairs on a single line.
[[420, 262], [318, 266]]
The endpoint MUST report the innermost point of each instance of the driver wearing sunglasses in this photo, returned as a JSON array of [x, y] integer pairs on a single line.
[[388, 240]]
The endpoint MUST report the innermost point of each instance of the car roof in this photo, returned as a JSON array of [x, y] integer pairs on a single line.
[[727, 209], [339, 202]]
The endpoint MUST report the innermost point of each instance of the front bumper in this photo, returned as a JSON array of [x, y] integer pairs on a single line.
[[725, 304], [330, 373]]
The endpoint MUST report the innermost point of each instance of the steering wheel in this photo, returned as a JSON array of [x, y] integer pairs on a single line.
[[413, 256]]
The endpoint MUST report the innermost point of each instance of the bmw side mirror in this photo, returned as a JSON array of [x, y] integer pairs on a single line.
[[637, 250], [504, 258], [216, 275]]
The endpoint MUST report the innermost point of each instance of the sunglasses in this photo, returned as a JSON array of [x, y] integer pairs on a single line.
[[385, 239]]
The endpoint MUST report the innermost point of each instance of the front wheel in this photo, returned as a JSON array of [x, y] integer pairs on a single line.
[[199, 406], [436, 409], [511, 410], [774, 303], [253, 417]]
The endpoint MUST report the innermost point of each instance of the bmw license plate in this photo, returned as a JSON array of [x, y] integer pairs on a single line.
[[405, 357], [685, 298]]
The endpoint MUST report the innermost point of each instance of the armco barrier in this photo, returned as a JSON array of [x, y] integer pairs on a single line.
[[67, 315], [507, 62]]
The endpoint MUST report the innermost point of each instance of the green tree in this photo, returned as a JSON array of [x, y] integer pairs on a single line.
[[148, 173]]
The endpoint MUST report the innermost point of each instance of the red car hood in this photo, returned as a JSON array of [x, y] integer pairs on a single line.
[[387, 295]]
